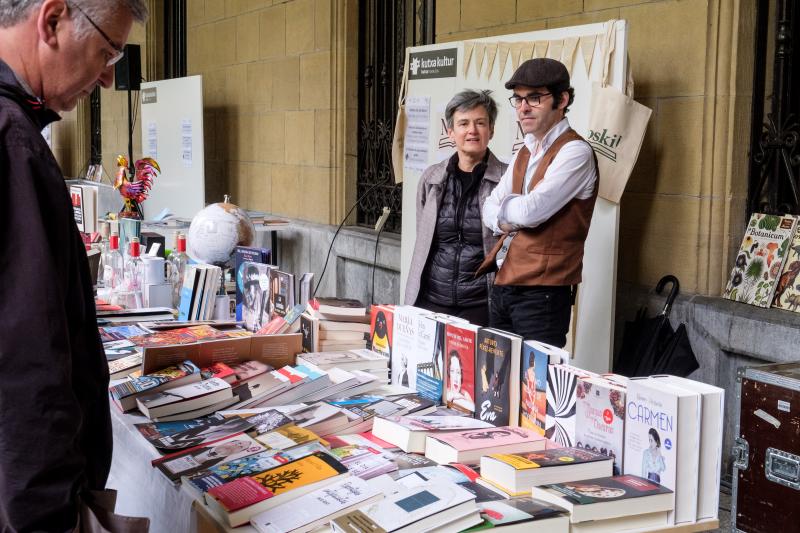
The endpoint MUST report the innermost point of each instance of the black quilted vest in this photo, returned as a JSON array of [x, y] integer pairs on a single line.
[[457, 247]]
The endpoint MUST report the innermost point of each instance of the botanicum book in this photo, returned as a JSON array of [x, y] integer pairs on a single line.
[[759, 262]]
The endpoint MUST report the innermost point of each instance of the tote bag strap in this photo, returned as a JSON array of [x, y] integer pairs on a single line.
[[401, 98], [608, 44]]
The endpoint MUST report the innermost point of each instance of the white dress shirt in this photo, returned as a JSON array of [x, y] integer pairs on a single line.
[[571, 175]]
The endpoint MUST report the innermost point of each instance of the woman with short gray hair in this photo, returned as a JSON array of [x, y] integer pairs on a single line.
[[451, 240]]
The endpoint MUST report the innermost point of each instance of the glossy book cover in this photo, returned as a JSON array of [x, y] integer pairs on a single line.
[[275, 481], [606, 489], [547, 458], [459, 381], [493, 365], [477, 439]]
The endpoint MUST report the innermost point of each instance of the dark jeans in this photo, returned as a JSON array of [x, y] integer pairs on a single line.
[[478, 314], [535, 313]]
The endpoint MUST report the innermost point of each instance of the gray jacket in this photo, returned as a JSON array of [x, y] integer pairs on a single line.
[[429, 195]]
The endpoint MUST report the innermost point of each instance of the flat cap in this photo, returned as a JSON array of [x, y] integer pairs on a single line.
[[539, 72]]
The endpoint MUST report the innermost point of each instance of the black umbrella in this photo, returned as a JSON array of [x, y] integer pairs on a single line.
[[650, 345]]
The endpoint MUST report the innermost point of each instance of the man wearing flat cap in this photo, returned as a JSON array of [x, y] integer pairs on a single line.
[[541, 210]]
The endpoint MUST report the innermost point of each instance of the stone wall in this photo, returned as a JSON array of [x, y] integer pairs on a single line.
[[267, 72], [349, 273]]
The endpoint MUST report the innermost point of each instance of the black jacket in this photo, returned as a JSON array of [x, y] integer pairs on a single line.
[[457, 247], [55, 425]]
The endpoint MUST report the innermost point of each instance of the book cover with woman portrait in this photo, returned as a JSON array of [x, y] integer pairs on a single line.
[[651, 433], [459, 366]]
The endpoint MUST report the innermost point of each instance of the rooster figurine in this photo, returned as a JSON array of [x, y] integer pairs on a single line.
[[135, 191]]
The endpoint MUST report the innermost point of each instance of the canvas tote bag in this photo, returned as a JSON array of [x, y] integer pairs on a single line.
[[398, 140], [617, 125]]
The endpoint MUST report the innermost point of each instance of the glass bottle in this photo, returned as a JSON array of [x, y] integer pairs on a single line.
[[134, 275], [105, 233], [178, 260], [112, 264]]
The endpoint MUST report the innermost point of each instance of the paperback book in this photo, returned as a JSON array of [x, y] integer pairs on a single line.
[[409, 432], [124, 394], [315, 509], [497, 390], [562, 382], [282, 294], [211, 429], [600, 418], [459, 381], [469, 446], [381, 329], [607, 497], [421, 508], [787, 290], [200, 482], [662, 440], [239, 500], [184, 398], [533, 514], [242, 255], [430, 346], [759, 262], [406, 355], [205, 456], [256, 297], [517, 473]]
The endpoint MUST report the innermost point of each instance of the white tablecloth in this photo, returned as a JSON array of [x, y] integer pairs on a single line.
[[142, 489]]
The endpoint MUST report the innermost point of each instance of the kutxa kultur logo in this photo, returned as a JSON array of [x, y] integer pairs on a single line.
[[433, 64], [605, 143]]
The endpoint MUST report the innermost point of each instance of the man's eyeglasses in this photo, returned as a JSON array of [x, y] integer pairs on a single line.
[[120, 52], [534, 99]]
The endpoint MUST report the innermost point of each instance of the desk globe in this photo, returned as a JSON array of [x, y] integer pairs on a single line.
[[216, 230]]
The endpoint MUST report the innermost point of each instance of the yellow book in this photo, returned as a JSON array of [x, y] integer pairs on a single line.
[[289, 436]]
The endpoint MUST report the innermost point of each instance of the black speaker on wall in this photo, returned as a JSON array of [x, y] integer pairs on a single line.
[[128, 70]]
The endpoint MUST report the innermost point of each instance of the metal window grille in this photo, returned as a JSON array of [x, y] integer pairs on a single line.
[[775, 161], [386, 29], [174, 39], [95, 133]]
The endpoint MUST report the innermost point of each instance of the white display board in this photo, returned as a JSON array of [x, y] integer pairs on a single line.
[[172, 134], [490, 62]]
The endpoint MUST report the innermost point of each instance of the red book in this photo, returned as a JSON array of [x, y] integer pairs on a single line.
[[221, 371], [459, 366], [240, 493]]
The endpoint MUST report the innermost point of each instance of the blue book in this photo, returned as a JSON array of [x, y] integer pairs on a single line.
[[188, 292], [429, 387]]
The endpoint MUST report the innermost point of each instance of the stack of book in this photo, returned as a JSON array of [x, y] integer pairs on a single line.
[[334, 324], [198, 292], [352, 360]]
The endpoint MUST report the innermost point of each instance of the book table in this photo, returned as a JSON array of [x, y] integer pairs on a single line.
[[144, 491]]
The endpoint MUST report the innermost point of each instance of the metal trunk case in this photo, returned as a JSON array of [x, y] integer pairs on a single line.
[[766, 466]]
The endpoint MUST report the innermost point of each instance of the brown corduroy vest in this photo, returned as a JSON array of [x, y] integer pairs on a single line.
[[552, 252]]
